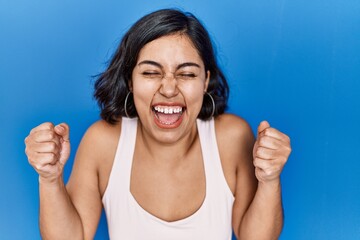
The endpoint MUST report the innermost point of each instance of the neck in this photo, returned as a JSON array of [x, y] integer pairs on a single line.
[[169, 154]]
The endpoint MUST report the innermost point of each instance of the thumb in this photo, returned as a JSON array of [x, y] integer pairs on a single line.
[[262, 126], [63, 131]]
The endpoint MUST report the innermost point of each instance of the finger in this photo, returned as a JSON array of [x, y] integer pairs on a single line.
[[45, 136], [33, 147], [46, 147], [274, 133], [262, 126], [264, 164], [265, 153], [43, 126], [42, 141], [255, 148], [48, 158], [39, 160], [269, 142], [63, 130]]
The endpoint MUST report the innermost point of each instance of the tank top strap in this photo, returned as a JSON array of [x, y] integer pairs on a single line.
[[213, 168], [121, 170]]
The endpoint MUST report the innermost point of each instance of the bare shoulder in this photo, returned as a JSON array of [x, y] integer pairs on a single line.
[[97, 150], [235, 141], [98, 143], [230, 128], [102, 132]]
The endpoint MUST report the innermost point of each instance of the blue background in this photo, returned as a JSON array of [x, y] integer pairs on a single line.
[[294, 63]]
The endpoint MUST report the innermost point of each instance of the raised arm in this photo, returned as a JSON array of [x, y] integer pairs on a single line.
[[48, 149], [263, 220], [62, 215]]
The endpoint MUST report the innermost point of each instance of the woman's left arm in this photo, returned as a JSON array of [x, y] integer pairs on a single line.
[[264, 217]]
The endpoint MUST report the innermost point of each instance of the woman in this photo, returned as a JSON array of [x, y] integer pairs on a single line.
[[166, 162]]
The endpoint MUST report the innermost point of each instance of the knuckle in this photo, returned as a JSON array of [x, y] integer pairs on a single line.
[[29, 154], [28, 140], [26, 151], [268, 172], [30, 161], [32, 131], [38, 166], [267, 131], [256, 162], [52, 157], [256, 144], [285, 150], [49, 157], [48, 125], [288, 149], [259, 151], [52, 146], [50, 135]]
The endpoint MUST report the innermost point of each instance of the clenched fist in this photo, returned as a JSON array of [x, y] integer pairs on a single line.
[[271, 151], [47, 149]]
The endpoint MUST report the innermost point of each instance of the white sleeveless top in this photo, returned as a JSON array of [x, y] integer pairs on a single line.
[[127, 220]]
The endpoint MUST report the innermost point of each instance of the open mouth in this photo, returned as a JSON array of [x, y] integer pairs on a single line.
[[168, 115]]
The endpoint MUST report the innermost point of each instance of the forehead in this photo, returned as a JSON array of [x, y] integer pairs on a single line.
[[176, 48]]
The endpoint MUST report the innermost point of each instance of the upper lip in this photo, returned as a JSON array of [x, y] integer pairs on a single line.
[[169, 104]]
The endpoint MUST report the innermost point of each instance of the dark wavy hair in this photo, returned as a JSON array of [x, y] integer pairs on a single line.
[[112, 86]]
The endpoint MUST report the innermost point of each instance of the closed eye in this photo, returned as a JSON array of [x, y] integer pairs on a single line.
[[186, 75], [151, 74]]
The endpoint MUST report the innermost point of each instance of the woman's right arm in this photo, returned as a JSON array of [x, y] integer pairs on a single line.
[[65, 213]]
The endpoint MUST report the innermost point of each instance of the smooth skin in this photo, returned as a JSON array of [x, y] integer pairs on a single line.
[[167, 163]]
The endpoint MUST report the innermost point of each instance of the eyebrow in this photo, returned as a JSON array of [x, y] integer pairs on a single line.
[[186, 64]]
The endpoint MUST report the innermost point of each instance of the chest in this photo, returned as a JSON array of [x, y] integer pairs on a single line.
[[169, 191]]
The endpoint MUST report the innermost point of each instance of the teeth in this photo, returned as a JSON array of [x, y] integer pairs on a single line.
[[168, 110]]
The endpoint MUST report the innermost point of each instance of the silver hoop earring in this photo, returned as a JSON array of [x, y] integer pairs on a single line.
[[125, 104], [213, 104]]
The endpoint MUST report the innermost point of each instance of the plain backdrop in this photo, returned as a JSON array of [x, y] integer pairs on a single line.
[[293, 63]]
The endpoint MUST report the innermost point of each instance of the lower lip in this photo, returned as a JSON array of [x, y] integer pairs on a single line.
[[168, 126]]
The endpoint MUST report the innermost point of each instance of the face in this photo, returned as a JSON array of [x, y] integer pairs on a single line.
[[168, 84]]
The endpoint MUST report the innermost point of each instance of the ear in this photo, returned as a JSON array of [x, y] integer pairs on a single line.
[[207, 80], [130, 85]]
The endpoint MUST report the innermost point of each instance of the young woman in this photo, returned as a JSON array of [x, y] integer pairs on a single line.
[[165, 161]]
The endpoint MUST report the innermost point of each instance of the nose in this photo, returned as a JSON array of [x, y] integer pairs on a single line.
[[168, 86]]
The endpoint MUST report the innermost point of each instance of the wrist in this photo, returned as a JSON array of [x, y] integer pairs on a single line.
[[273, 185], [51, 182]]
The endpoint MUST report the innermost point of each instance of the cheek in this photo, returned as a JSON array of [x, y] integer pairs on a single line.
[[143, 94], [193, 93]]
